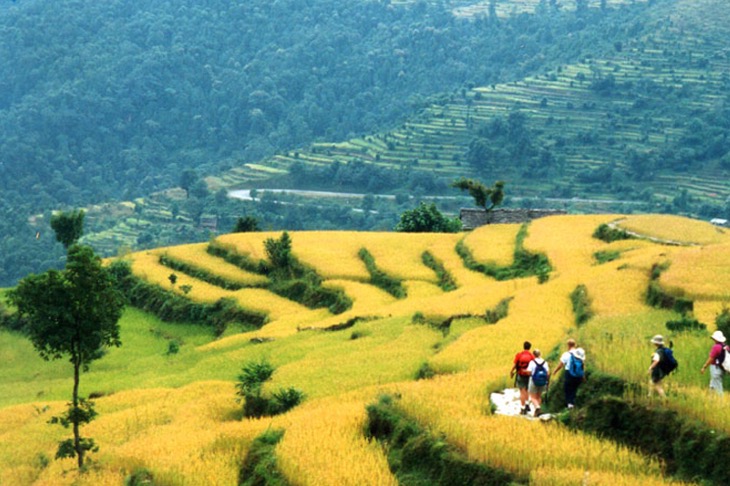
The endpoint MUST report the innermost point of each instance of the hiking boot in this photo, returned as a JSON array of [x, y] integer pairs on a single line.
[[524, 410], [537, 412]]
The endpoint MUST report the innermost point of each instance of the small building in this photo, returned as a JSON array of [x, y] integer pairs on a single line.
[[472, 218], [720, 222]]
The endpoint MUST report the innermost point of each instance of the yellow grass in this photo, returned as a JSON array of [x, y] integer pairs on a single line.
[[330, 433], [493, 243], [198, 256], [193, 434], [675, 228], [454, 406], [711, 283]]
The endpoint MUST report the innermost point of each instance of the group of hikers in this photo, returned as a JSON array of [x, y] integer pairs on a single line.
[[532, 373], [663, 363]]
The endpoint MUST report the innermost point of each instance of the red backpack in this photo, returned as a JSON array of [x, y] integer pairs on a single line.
[[523, 361]]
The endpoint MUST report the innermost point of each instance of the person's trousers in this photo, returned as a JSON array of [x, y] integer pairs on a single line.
[[571, 385], [716, 378]]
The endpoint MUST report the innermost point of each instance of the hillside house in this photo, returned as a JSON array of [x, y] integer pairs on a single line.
[[472, 218], [720, 222]]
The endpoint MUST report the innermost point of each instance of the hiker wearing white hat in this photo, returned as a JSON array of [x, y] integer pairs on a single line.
[[717, 352], [655, 370], [573, 362]]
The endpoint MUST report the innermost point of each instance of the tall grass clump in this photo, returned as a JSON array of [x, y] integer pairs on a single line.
[[259, 466], [445, 280], [499, 312], [381, 279], [581, 303]]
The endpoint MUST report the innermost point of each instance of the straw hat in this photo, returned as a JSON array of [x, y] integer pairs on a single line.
[[718, 336], [658, 339], [580, 354]]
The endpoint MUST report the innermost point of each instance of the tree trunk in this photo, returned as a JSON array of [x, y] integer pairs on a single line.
[[77, 438]]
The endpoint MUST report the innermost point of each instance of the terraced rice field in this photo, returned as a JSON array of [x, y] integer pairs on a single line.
[[175, 415]]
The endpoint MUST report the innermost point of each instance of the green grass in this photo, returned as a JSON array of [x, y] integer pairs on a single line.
[[319, 363]]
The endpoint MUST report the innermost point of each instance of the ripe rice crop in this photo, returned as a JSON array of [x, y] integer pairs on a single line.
[[324, 445], [566, 240], [674, 229], [711, 283], [197, 256], [493, 243], [454, 406], [250, 244], [540, 314], [175, 414]]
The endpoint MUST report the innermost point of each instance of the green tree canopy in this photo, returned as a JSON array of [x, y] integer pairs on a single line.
[[426, 218], [482, 194], [69, 226], [74, 313]]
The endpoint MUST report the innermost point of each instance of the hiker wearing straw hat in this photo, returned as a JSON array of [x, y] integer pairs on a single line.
[[717, 352], [655, 369]]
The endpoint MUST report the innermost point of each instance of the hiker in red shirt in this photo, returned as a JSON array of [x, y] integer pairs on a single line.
[[521, 375]]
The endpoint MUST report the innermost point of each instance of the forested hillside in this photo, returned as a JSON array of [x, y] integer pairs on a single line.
[[115, 101]]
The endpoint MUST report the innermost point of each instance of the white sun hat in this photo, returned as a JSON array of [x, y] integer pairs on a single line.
[[718, 336]]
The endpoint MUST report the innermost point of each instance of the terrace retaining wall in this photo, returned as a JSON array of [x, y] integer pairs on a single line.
[[474, 218]]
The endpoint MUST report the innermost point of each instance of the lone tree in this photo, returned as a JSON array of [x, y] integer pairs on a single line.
[[68, 227], [482, 194], [72, 313]]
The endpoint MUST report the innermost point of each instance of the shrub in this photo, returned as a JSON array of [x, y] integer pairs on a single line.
[[284, 400], [608, 234], [426, 218], [252, 377], [425, 371], [722, 321], [581, 304], [140, 477], [249, 390], [606, 256], [685, 324]]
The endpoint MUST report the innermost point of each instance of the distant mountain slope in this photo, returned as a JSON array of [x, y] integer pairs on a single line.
[[646, 120], [114, 100]]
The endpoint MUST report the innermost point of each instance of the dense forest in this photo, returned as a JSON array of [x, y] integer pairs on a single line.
[[117, 100]]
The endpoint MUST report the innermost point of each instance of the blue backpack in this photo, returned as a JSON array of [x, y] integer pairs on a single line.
[[667, 361], [575, 367], [540, 375]]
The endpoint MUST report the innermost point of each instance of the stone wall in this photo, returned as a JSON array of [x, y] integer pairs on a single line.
[[473, 218]]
